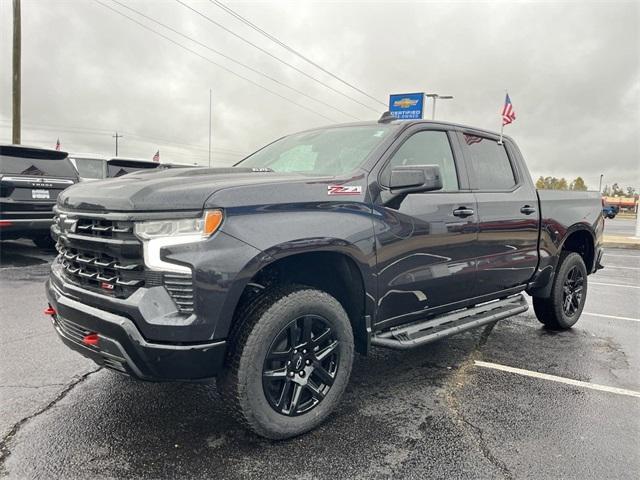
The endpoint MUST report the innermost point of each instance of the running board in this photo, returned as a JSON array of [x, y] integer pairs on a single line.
[[417, 334]]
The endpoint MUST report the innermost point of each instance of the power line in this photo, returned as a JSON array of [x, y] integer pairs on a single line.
[[214, 63], [290, 49], [102, 132], [274, 56], [237, 62]]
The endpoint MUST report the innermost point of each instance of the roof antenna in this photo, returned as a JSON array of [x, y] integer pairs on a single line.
[[386, 117]]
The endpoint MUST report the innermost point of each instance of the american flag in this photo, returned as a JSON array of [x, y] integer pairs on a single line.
[[471, 139], [156, 157], [508, 114], [58, 144]]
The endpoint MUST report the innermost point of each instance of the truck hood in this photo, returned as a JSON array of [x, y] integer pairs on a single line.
[[172, 189]]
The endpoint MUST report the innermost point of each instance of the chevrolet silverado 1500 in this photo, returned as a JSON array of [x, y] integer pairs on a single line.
[[269, 275]]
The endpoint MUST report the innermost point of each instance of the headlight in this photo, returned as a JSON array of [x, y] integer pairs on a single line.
[[185, 227], [156, 234]]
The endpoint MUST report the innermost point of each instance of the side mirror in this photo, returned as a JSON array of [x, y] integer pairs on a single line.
[[415, 179]]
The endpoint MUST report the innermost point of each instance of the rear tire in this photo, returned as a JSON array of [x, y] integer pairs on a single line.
[[562, 309], [305, 327], [44, 241]]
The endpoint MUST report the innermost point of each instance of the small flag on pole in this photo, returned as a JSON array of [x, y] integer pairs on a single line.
[[508, 114], [58, 144], [156, 157]]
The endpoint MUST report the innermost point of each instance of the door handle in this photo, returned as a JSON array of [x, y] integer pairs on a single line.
[[463, 212], [527, 210]]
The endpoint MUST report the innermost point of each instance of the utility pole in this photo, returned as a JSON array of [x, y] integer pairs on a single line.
[[116, 136], [434, 97], [17, 49], [600, 187], [210, 94]]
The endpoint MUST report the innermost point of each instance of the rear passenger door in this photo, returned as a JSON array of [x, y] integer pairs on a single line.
[[507, 247]]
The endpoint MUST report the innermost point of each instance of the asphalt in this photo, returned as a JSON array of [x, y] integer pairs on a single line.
[[425, 413], [620, 226]]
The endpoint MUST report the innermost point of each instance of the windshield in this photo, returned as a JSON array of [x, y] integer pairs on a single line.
[[330, 151], [89, 167], [38, 167]]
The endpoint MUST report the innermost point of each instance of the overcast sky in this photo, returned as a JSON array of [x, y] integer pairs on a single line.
[[572, 70]]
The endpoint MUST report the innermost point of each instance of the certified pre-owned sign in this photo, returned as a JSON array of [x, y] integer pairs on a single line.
[[406, 106]]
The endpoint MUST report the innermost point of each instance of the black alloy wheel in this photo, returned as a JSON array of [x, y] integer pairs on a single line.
[[289, 360], [563, 306], [301, 365], [572, 291]]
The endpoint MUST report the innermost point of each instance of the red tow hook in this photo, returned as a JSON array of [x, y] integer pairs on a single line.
[[91, 339], [50, 310]]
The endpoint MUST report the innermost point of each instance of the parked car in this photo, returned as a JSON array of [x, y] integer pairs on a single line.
[[610, 211], [30, 181], [94, 167], [270, 274], [89, 166]]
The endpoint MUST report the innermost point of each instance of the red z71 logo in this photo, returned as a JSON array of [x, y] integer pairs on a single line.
[[344, 190]]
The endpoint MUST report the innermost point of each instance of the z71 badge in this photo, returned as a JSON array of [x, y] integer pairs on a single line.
[[344, 190]]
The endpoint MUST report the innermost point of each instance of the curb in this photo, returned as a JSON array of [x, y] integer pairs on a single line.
[[625, 245]]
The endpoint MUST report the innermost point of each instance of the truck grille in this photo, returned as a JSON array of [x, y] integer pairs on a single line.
[[105, 256]]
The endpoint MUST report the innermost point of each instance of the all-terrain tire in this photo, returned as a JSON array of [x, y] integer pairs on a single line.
[[562, 309], [258, 326]]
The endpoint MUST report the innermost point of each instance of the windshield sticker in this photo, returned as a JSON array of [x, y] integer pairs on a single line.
[[344, 190]]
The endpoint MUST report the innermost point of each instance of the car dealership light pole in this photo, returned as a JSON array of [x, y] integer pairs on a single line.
[[435, 97], [16, 74]]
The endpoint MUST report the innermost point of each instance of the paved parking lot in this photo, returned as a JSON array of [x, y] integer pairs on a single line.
[[624, 226], [446, 410]]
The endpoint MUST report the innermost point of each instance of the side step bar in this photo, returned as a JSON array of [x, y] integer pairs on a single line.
[[417, 334]]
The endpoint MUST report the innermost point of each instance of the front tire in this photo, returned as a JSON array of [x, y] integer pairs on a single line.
[[562, 309], [289, 361]]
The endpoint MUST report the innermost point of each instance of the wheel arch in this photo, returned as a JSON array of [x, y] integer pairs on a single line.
[[580, 239], [334, 270]]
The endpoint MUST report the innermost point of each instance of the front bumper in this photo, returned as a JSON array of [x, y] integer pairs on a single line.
[[122, 347]]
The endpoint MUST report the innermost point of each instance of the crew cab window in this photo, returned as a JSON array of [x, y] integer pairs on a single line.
[[429, 147], [490, 163]]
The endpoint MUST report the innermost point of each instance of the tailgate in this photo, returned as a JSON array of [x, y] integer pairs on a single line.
[[23, 197]]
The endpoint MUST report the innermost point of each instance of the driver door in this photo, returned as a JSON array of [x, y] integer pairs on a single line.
[[425, 245]]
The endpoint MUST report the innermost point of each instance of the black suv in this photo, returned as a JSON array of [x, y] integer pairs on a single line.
[[30, 181]]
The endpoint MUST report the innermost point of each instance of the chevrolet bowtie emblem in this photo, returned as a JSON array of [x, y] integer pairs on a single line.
[[405, 103]]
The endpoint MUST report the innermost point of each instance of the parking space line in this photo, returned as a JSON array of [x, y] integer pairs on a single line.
[[554, 378], [614, 285], [615, 317], [621, 256], [623, 268]]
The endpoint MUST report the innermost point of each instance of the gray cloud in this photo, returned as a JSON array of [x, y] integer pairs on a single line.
[[572, 70]]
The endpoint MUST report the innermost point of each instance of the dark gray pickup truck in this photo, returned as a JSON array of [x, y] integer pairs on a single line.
[[269, 275]]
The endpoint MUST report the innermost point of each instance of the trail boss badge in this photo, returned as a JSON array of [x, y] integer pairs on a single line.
[[344, 190]]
